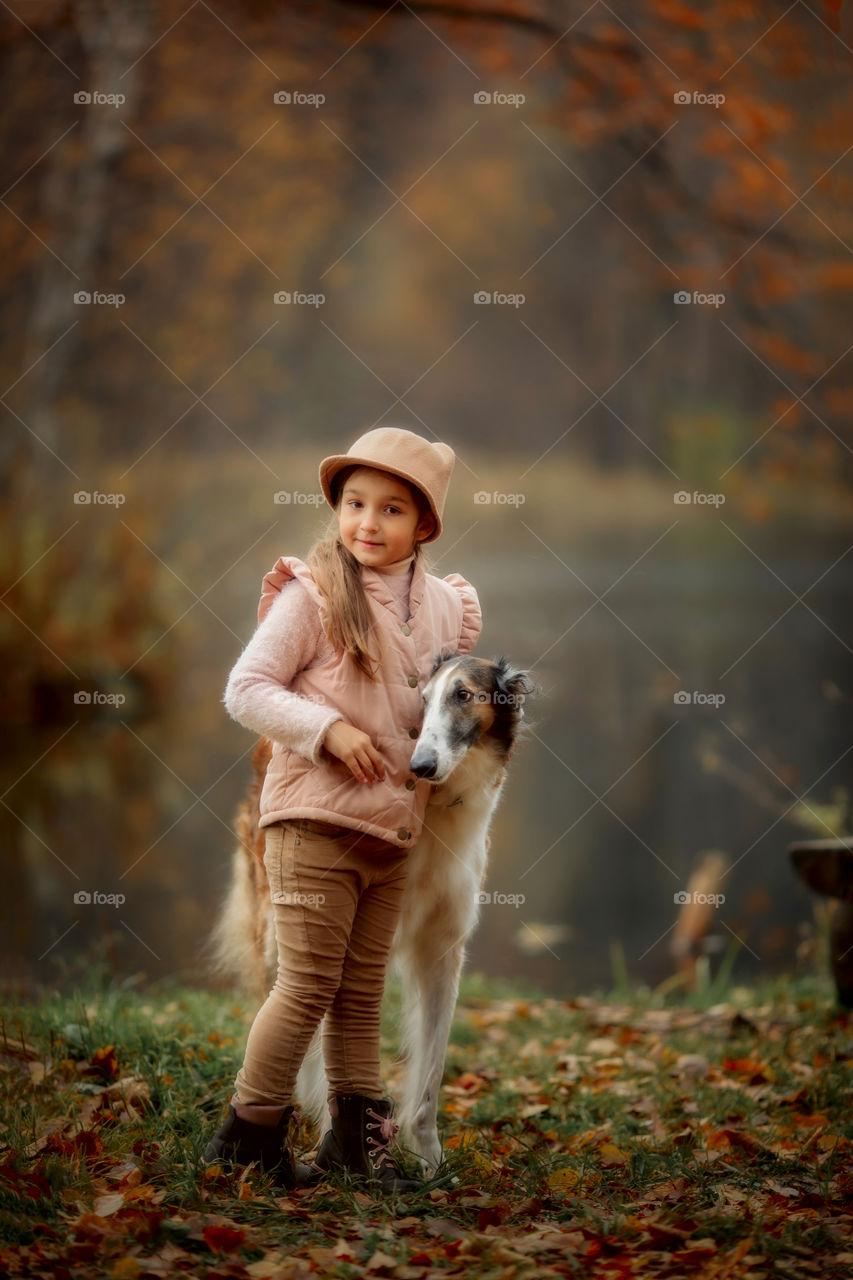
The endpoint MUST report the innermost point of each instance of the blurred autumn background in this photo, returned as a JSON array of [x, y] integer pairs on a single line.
[[581, 164]]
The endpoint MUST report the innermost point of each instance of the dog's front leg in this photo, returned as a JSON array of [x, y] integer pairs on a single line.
[[429, 1001]]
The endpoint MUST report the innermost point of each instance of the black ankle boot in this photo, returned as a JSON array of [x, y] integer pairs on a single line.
[[353, 1141], [240, 1141]]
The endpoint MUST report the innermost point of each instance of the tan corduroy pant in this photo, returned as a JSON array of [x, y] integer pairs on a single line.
[[336, 898]]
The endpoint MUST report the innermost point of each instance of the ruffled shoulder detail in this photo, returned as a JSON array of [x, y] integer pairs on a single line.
[[283, 571], [472, 617]]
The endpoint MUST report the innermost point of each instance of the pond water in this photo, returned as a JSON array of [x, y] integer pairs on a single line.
[[615, 791]]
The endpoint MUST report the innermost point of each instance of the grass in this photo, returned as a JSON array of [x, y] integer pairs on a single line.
[[636, 1133]]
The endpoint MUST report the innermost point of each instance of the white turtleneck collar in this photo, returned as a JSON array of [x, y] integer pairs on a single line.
[[396, 566]]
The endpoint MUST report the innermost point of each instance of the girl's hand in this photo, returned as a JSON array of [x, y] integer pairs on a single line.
[[356, 750]]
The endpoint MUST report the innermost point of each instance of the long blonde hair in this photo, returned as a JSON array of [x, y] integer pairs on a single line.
[[337, 573]]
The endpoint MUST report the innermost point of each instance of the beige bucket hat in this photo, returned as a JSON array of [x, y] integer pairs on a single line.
[[427, 466]]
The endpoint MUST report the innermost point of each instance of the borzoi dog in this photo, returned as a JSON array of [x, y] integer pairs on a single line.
[[472, 719]]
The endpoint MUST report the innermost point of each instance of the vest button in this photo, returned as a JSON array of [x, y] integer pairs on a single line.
[[413, 682], [413, 733], [407, 631], [403, 834], [410, 784]]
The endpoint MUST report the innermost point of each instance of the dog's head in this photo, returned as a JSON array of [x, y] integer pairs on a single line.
[[468, 702]]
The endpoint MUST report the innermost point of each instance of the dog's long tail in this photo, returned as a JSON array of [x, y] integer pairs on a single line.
[[242, 941], [312, 1085], [233, 948]]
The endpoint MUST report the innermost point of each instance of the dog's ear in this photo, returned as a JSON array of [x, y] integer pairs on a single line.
[[513, 685], [441, 658]]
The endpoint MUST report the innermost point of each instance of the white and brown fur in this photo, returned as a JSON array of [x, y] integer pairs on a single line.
[[472, 718]]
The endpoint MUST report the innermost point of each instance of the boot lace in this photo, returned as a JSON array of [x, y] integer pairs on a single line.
[[388, 1131]]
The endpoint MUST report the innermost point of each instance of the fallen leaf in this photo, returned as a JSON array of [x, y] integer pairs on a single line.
[[105, 1205], [103, 1063], [693, 1065], [125, 1268], [223, 1239], [610, 1155], [535, 1109], [381, 1262]]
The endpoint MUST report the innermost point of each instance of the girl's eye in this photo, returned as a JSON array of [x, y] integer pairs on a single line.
[[354, 502]]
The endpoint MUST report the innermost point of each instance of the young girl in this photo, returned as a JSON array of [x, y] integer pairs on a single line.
[[334, 676]]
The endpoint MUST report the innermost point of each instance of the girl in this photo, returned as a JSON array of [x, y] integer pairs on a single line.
[[334, 676]]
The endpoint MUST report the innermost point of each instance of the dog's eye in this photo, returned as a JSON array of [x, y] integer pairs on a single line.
[[463, 695]]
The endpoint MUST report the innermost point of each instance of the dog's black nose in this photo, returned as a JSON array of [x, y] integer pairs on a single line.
[[424, 764]]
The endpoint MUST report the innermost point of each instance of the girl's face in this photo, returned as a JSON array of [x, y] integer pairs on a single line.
[[378, 517]]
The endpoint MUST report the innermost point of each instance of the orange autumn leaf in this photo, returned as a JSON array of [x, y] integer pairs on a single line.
[[104, 1063], [88, 1142], [470, 1081], [717, 1139], [125, 1268], [223, 1239], [493, 1215], [756, 1072], [746, 1141]]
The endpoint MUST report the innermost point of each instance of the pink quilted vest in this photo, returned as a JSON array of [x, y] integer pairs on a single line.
[[445, 614]]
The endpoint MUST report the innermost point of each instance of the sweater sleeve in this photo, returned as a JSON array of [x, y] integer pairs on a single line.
[[256, 695], [472, 618]]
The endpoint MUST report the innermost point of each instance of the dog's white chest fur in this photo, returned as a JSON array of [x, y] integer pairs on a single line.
[[447, 866]]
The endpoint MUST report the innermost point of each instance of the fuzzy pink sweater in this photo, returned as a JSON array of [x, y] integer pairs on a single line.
[[290, 638]]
